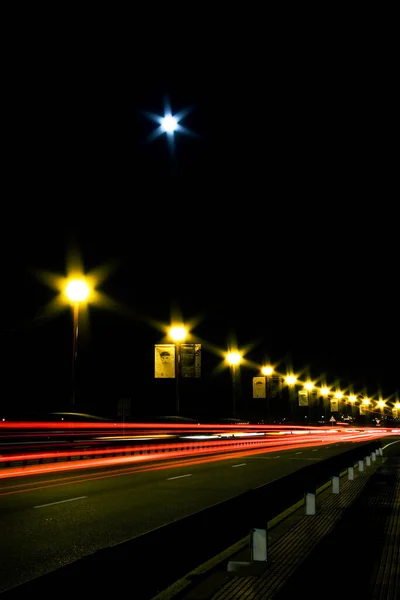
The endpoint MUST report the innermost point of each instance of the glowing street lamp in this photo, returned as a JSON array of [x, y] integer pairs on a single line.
[[77, 292], [381, 405], [308, 386], [178, 334], [234, 358], [290, 379], [267, 370], [352, 399]]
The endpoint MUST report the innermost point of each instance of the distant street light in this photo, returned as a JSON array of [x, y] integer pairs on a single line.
[[77, 292], [234, 359], [178, 334], [381, 405], [352, 400], [267, 370]]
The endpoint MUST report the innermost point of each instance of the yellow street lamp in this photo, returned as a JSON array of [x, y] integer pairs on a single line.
[[290, 379], [178, 334], [267, 370], [308, 386], [381, 405], [234, 358], [77, 291], [352, 398], [324, 392], [397, 405]]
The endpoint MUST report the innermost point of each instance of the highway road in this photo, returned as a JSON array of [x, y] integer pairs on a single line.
[[50, 520]]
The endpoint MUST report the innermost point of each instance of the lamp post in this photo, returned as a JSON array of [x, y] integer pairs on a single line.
[[291, 381], [77, 292], [234, 359], [267, 370], [381, 405], [178, 334], [352, 400], [309, 386], [339, 398], [325, 398]]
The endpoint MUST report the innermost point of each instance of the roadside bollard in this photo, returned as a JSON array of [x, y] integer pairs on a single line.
[[335, 484], [373, 456], [310, 503], [368, 461], [361, 465], [350, 473], [259, 545], [258, 555]]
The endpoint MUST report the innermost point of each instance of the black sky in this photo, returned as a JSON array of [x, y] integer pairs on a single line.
[[276, 222]]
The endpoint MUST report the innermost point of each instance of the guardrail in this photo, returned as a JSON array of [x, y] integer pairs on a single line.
[[149, 563]]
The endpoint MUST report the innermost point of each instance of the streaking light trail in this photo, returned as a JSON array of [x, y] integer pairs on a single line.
[[163, 452]]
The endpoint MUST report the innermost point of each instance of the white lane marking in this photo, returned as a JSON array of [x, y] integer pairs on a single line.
[[263, 457], [241, 465], [178, 477], [298, 453], [316, 450], [60, 502]]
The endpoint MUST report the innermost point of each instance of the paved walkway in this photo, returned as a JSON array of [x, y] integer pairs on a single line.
[[349, 549]]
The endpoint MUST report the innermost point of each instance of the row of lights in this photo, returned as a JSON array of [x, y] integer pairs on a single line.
[[235, 358], [78, 291]]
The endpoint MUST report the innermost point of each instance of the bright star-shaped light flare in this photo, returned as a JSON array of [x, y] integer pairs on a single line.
[[169, 124]]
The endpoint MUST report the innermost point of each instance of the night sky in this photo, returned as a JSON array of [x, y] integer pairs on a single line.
[[274, 225]]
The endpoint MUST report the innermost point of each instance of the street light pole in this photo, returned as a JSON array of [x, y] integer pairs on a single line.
[[234, 391], [177, 375], [234, 359], [77, 291], [75, 333], [178, 334]]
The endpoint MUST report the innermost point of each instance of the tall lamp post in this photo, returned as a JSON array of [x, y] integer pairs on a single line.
[[291, 382], [381, 405], [352, 400], [77, 292], [234, 359], [178, 334], [267, 370], [309, 386], [324, 391]]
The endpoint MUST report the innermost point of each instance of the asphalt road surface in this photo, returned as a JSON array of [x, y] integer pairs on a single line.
[[50, 520]]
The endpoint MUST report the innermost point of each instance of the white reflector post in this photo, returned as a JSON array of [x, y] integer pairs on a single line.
[[350, 473], [335, 484], [310, 504], [368, 461], [258, 545], [361, 465]]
